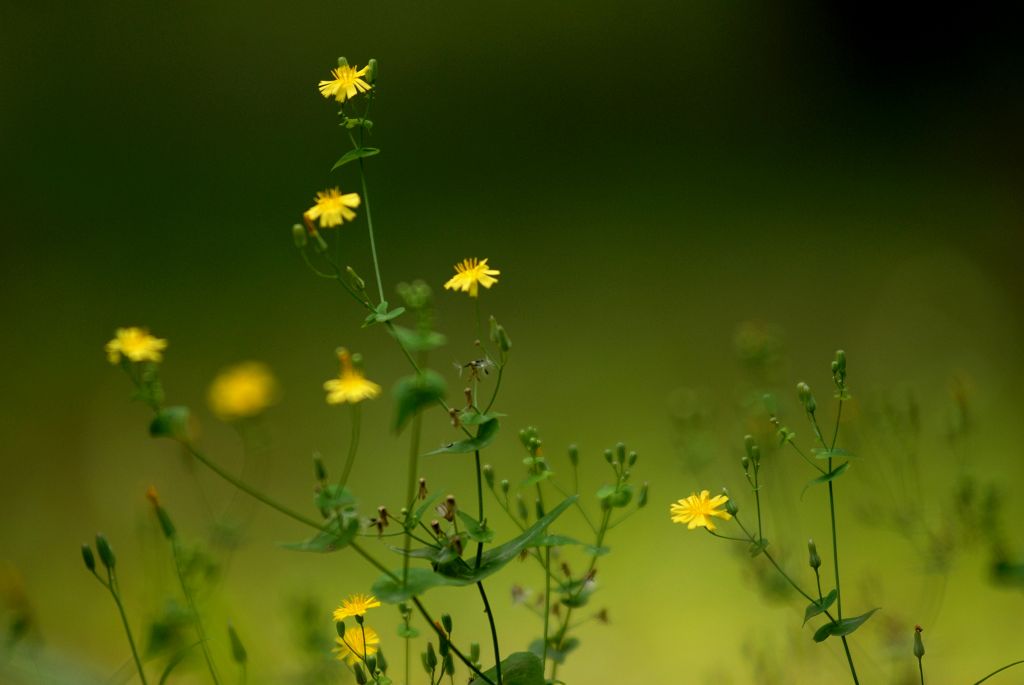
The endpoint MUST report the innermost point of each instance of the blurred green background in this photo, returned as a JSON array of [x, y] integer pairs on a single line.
[[691, 203]]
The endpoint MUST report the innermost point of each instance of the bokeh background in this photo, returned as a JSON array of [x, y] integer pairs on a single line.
[[691, 203]]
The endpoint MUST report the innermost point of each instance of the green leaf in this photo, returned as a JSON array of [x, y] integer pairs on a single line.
[[536, 478], [826, 477], [521, 668], [476, 531], [334, 497], [409, 632], [170, 422], [820, 606], [484, 435], [328, 541], [837, 453], [556, 655], [458, 572], [840, 628], [414, 393], [471, 417], [353, 155], [417, 340], [382, 315]]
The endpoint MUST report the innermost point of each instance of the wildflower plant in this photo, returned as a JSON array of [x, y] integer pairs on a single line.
[[443, 538]]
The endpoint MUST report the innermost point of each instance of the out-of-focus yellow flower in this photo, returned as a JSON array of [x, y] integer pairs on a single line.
[[241, 391], [697, 510], [355, 605], [347, 83], [351, 385], [470, 274], [136, 344], [353, 648], [333, 208]]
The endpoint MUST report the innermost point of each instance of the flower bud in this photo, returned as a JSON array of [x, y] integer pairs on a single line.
[[488, 472], [431, 657], [539, 506], [841, 362], [521, 507], [371, 663], [745, 463], [620, 453], [318, 468], [812, 555], [299, 235], [505, 486], [641, 499], [357, 668], [804, 392], [474, 652], [89, 558], [357, 282], [449, 664], [371, 71], [106, 554], [165, 522], [446, 622], [238, 652], [608, 456], [382, 663], [342, 62], [918, 644], [631, 460], [730, 505], [574, 455], [340, 627]]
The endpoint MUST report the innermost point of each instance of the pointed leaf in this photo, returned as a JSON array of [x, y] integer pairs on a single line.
[[521, 668], [474, 529], [826, 477], [837, 453], [415, 340], [484, 435], [328, 541], [353, 155], [820, 606], [840, 628]]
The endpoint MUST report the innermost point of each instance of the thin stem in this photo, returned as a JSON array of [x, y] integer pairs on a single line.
[[353, 445], [835, 543], [115, 593], [369, 224], [410, 490], [494, 631], [920, 670], [200, 631], [999, 670], [456, 650]]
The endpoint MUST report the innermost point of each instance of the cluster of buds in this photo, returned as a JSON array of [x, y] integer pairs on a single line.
[[839, 373], [803, 391], [382, 519]]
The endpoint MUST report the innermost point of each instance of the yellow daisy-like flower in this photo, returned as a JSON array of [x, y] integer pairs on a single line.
[[351, 385], [241, 391], [697, 510], [136, 344], [470, 274], [333, 208], [352, 648], [347, 83], [355, 605]]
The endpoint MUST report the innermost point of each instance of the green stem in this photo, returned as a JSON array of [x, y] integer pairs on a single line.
[[410, 490], [115, 593], [494, 631], [196, 620], [999, 670], [353, 445], [369, 224], [920, 670]]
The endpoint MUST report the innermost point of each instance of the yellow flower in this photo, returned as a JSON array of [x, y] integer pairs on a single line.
[[470, 274], [351, 385], [242, 390], [347, 83], [353, 648], [332, 208], [355, 605], [696, 510], [136, 344]]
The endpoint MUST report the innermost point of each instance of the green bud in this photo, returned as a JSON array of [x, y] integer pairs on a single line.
[[641, 499], [300, 236], [360, 618], [504, 342], [371, 73], [449, 665], [521, 507], [106, 554], [539, 506], [608, 456], [488, 472], [574, 455], [340, 627], [238, 652], [360, 673], [318, 468], [382, 663], [342, 62], [319, 244], [426, 664], [841, 361], [165, 522], [804, 392], [730, 506], [357, 282], [918, 644], [631, 460], [474, 652], [371, 663], [89, 558], [620, 453], [443, 645], [812, 555], [446, 622], [745, 462], [430, 658], [504, 486]]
